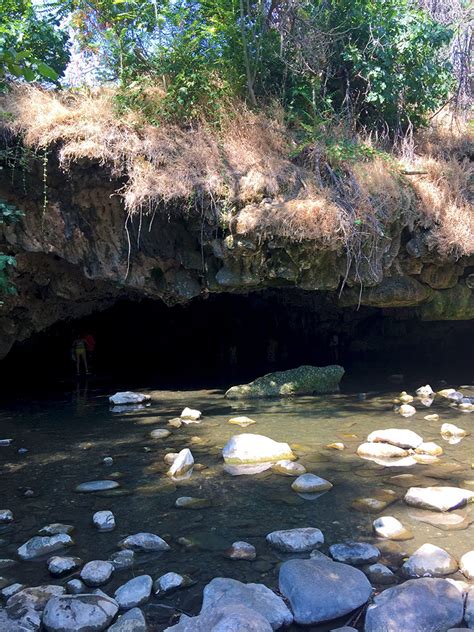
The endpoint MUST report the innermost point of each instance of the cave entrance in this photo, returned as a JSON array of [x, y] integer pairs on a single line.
[[230, 338]]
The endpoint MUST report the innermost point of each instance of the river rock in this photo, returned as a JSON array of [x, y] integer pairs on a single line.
[[380, 500], [160, 433], [34, 598], [450, 430], [134, 593], [190, 502], [406, 410], [145, 542], [58, 565], [405, 398], [97, 573], [433, 417], [43, 545], [425, 391], [181, 464], [104, 520], [354, 553], [10, 590], [122, 559], [299, 540], [242, 421], [75, 587], [418, 605], [390, 528], [310, 484], [429, 561], [320, 590], [253, 448], [128, 397], [131, 621], [241, 551], [6, 516], [466, 564], [380, 451], [224, 619], [55, 528], [169, 582], [305, 380], [190, 415], [380, 574], [399, 437], [446, 521], [438, 498], [225, 592], [430, 448], [288, 468], [469, 612], [79, 613], [96, 486]]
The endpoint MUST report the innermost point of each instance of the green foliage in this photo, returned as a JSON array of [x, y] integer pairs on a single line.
[[9, 214], [32, 47]]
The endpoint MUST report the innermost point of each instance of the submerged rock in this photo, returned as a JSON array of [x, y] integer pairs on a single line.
[[131, 621], [380, 500], [450, 430], [253, 448], [79, 613], [429, 561], [418, 605], [321, 590], [122, 559], [160, 433], [189, 502], [144, 542], [55, 528], [134, 593], [380, 451], [354, 553], [128, 397], [169, 582], [305, 380], [310, 484], [58, 565], [446, 521], [438, 498], [288, 468], [241, 551], [300, 540], [429, 448], [43, 545], [243, 421], [6, 516], [380, 574], [224, 619], [96, 486]]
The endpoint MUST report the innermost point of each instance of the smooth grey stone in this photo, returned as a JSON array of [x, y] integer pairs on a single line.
[[299, 540], [43, 545], [104, 520], [75, 587], [168, 582], [27, 604], [429, 561], [96, 572], [418, 605], [469, 612], [58, 565], [145, 542], [96, 486], [7, 563], [134, 593], [131, 621], [122, 559], [55, 528], [79, 613], [355, 553], [223, 591], [320, 590], [230, 618], [11, 590], [380, 574], [438, 498], [5, 516]]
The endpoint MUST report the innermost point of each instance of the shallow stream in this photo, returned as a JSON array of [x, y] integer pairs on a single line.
[[67, 438]]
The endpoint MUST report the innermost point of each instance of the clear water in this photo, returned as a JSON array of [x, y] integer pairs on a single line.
[[68, 437]]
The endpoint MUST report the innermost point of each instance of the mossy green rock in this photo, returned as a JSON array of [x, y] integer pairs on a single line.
[[305, 380]]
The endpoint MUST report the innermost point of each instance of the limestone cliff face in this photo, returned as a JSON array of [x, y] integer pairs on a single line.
[[77, 254]]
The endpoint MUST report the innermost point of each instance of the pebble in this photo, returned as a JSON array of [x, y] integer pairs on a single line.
[[160, 433], [300, 540], [96, 486], [96, 573], [390, 528], [310, 484], [104, 520], [6, 516], [168, 582], [75, 587], [433, 417], [242, 421], [58, 565], [241, 551], [134, 593], [108, 460], [145, 542], [354, 553], [429, 561]]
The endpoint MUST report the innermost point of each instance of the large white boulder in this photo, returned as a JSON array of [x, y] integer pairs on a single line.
[[253, 448]]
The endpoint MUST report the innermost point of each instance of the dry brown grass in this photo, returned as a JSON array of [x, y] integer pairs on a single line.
[[247, 160]]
